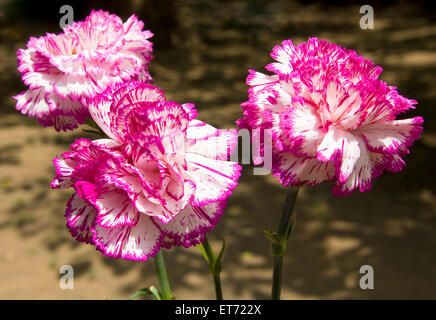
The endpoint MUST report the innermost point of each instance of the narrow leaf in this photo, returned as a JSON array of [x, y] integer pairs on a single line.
[[153, 291], [217, 263]]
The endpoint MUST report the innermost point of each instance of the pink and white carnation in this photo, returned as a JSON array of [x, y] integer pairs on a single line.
[[63, 70], [331, 117], [160, 178]]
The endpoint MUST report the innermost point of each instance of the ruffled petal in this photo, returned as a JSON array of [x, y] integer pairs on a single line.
[[205, 140], [33, 103], [214, 179], [190, 226], [100, 110], [80, 219], [138, 242], [164, 207], [302, 130], [359, 176], [295, 171], [389, 137], [115, 209]]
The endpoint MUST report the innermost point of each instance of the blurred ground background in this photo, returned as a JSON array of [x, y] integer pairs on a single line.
[[203, 50]]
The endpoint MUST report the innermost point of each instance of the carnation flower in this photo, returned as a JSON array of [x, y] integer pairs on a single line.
[[64, 70], [331, 117], [161, 178]]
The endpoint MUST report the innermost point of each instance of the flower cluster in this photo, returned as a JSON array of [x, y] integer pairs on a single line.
[[161, 178], [64, 70], [330, 116]]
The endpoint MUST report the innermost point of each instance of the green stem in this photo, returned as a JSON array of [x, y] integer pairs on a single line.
[[211, 259], [277, 278], [218, 290], [280, 242], [163, 276]]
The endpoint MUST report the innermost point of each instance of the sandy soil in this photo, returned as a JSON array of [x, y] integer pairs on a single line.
[[391, 228]]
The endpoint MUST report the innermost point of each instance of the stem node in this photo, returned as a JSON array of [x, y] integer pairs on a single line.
[[279, 240], [214, 264]]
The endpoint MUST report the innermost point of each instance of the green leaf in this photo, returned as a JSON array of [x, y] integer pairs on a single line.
[[271, 235], [91, 131], [291, 224], [91, 123], [217, 263], [152, 290], [203, 252], [155, 292], [94, 125]]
